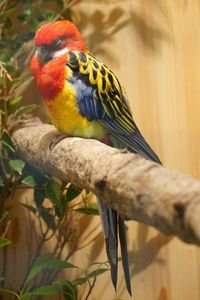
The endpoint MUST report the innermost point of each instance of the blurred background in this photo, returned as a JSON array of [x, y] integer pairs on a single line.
[[153, 46]]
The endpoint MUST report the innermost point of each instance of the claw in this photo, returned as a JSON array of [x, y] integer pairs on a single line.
[[57, 140]]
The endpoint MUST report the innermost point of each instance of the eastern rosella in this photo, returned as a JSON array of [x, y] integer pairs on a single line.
[[85, 99]]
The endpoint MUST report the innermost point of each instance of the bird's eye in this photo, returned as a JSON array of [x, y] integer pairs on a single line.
[[57, 44]]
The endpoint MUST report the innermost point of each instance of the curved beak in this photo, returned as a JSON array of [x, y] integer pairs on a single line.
[[43, 54]]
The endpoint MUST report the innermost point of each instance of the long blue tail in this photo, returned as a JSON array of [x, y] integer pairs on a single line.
[[112, 225]]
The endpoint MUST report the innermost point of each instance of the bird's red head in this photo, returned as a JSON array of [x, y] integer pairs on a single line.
[[55, 39]]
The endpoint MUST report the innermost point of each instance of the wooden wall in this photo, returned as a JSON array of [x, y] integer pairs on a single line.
[[154, 48]]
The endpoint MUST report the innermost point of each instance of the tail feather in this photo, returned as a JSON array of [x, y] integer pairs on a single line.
[[124, 253], [104, 217], [112, 247], [110, 223], [112, 239]]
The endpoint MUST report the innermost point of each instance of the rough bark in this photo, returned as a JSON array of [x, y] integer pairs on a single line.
[[138, 189]]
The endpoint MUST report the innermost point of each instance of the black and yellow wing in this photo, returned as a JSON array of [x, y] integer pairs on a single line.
[[100, 96]]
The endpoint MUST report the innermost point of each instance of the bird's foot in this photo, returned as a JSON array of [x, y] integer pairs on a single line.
[[57, 140], [105, 140]]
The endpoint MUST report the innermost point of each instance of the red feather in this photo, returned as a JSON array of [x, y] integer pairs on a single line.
[[50, 77], [53, 30]]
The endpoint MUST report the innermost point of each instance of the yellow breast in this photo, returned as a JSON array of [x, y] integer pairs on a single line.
[[66, 117]]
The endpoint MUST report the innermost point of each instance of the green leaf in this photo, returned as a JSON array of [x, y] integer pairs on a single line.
[[97, 272], [6, 140], [17, 165], [64, 206], [53, 191], [47, 261], [13, 103], [69, 291], [72, 192], [29, 180], [90, 209], [48, 218], [7, 145], [39, 196], [59, 264], [80, 281], [45, 290], [4, 242], [39, 178], [7, 137], [11, 68], [25, 109]]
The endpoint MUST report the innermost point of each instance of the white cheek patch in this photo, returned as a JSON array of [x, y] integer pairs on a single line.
[[60, 52]]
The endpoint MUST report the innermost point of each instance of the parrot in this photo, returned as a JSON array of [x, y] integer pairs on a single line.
[[85, 99]]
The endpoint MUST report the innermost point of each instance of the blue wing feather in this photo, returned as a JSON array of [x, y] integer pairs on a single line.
[[86, 102]]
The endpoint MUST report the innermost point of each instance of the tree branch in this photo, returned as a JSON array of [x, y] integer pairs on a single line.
[[138, 189]]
